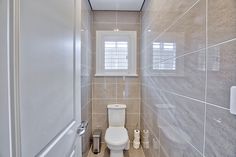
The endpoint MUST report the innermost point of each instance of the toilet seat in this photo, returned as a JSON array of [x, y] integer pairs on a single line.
[[116, 136]]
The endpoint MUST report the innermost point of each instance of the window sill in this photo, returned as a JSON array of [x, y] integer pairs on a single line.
[[110, 75]]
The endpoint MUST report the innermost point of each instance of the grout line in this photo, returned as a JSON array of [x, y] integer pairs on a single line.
[[188, 97], [116, 89], [126, 99], [118, 23], [223, 108], [221, 43], [140, 102], [206, 83], [94, 113], [92, 105], [114, 83]]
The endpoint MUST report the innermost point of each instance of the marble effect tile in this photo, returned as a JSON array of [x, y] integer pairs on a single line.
[[221, 73], [173, 145], [189, 32], [188, 73], [186, 116], [169, 11], [220, 133], [221, 21], [181, 129]]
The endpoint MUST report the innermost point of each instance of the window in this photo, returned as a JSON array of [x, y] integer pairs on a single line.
[[116, 53], [164, 56]]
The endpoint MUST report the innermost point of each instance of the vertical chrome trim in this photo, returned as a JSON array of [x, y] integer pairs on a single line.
[[8, 76], [14, 30]]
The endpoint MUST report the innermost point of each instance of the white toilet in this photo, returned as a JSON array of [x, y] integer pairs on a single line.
[[116, 136]]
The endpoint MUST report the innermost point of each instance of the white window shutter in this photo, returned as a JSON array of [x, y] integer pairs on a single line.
[[116, 53]]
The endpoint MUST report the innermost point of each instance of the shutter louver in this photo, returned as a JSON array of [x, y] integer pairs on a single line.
[[116, 55]]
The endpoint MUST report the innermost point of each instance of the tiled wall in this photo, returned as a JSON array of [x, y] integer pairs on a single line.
[[187, 108], [109, 90], [86, 79]]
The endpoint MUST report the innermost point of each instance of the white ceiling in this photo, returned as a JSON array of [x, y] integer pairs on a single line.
[[127, 5]]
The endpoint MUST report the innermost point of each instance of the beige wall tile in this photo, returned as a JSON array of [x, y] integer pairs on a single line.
[[133, 105], [128, 17], [99, 121], [132, 120], [104, 27], [130, 80], [128, 90], [86, 112], [104, 79], [104, 91], [130, 27], [107, 89], [100, 105], [104, 16]]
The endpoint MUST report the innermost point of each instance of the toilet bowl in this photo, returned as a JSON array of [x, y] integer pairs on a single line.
[[116, 136], [116, 139]]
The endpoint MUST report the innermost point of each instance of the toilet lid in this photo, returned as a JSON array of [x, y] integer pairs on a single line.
[[116, 136]]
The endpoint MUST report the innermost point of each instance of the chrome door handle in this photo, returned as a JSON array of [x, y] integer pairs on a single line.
[[82, 128]]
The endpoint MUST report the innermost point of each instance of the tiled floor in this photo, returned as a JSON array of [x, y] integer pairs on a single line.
[[105, 152]]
